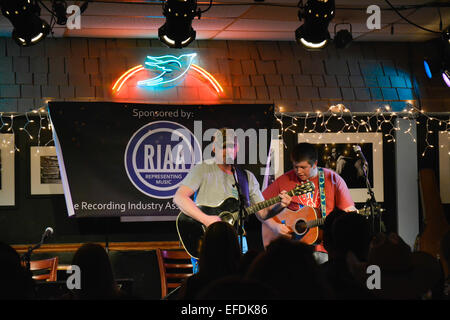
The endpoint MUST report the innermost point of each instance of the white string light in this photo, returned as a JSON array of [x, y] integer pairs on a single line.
[[7, 120], [27, 124], [382, 120]]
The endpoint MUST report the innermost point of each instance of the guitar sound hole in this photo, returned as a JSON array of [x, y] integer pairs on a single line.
[[300, 227]]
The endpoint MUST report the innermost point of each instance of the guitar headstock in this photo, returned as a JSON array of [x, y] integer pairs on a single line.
[[303, 188], [366, 211]]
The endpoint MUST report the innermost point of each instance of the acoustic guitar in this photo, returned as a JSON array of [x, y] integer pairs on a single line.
[[304, 224], [190, 231]]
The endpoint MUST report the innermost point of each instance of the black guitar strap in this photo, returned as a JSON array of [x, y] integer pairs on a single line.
[[243, 182]]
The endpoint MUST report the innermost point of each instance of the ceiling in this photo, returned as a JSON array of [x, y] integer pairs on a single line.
[[270, 20]]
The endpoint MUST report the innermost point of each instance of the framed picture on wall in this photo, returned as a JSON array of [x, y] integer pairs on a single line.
[[7, 177], [335, 151], [45, 176], [444, 166]]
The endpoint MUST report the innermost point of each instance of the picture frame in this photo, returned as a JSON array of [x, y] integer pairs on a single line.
[[444, 166], [45, 176], [7, 170], [335, 151]]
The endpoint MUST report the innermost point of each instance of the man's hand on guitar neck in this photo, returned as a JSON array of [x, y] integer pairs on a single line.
[[275, 209], [285, 199]]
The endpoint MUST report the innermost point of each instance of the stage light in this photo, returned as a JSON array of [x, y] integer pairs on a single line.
[[177, 31], [445, 56], [446, 77], [427, 67], [343, 38], [60, 9], [313, 34], [24, 15], [446, 36]]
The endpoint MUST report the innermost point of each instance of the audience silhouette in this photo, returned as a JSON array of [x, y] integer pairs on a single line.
[[345, 234], [97, 279], [286, 270], [219, 257], [17, 282], [327, 234], [404, 274], [289, 267]]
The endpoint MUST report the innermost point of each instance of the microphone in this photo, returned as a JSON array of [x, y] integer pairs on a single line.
[[358, 151], [47, 233], [27, 256]]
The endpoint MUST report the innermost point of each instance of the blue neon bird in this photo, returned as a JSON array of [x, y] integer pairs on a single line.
[[168, 67]]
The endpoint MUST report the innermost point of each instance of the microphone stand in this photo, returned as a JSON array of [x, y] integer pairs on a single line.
[[371, 200], [242, 214], [26, 257]]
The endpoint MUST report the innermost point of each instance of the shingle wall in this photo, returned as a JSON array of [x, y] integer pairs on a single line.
[[362, 77]]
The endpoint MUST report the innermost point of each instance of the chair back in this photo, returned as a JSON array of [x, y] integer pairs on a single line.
[[174, 267], [47, 264]]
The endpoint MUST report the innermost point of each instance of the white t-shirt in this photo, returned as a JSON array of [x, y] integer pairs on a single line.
[[212, 185]]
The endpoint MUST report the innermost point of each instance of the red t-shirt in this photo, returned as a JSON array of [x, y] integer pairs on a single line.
[[337, 194]]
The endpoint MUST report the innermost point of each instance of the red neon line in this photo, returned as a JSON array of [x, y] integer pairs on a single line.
[[209, 76], [124, 74], [128, 76], [206, 77], [129, 73]]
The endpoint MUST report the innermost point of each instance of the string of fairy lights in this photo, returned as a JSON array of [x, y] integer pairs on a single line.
[[7, 126], [385, 123], [382, 120]]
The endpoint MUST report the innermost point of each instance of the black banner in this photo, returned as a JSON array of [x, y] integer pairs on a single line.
[[122, 159]]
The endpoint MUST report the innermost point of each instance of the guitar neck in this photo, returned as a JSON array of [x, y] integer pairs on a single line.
[[267, 203], [321, 221], [315, 223]]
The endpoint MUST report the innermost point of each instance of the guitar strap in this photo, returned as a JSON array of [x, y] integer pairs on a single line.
[[243, 182], [323, 206]]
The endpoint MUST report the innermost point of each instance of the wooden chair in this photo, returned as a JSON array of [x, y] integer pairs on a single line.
[[174, 267], [50, 264]]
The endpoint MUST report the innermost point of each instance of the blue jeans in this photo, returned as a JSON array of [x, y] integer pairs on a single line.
[[244, 250]]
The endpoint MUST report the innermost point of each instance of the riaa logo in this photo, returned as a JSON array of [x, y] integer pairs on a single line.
[[158, 157]]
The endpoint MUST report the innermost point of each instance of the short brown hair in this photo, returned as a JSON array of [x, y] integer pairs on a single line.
[[304, 152]]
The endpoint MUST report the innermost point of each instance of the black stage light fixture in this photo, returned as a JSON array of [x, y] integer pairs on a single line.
[[446, 76], [177, 31], [60, 9], [343, 38], [313, 33], [24, 15], [446, 36], [445, 60]]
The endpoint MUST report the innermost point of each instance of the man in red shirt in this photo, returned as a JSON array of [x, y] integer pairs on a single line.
[[304, 160]]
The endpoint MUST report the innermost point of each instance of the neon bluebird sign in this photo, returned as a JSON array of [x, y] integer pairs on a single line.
[[166, 70]]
